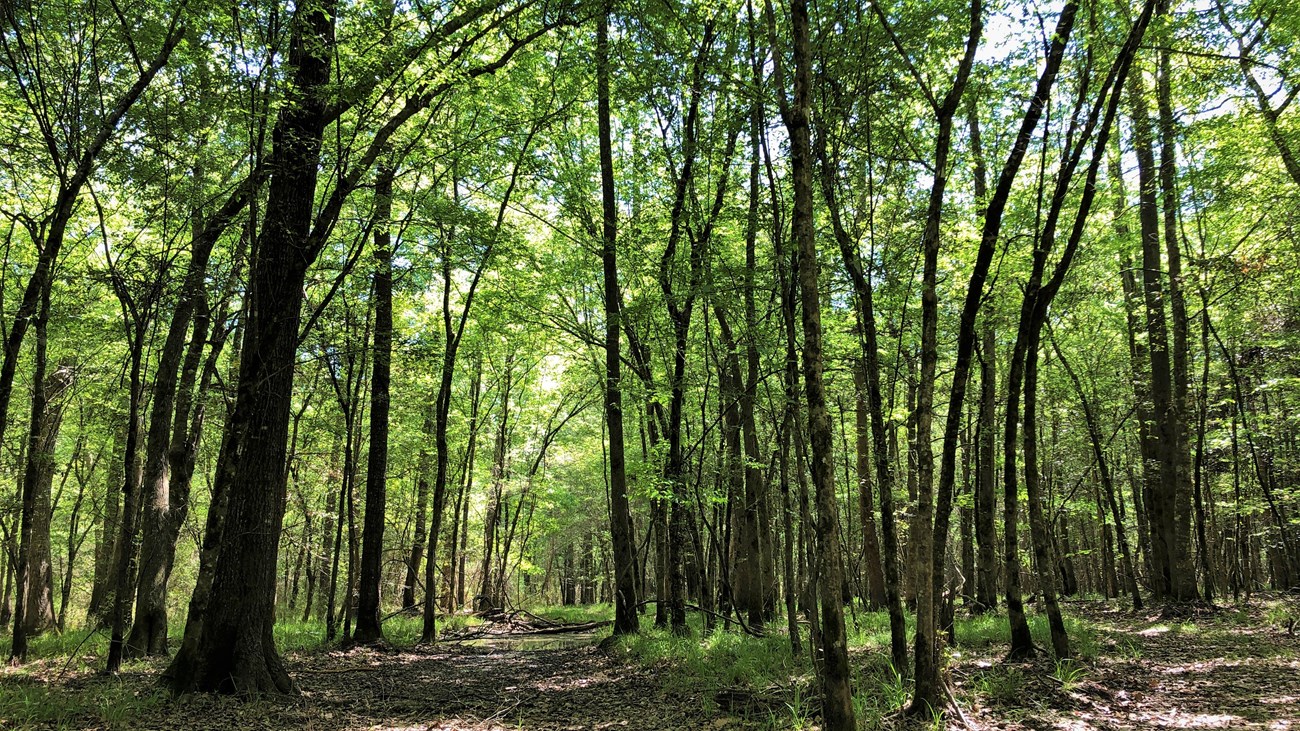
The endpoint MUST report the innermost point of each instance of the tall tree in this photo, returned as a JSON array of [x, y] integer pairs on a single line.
[[372, 535], [620, 518], [836, 679]]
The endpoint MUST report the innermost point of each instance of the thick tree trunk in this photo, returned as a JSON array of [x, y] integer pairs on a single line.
[[214, 525], [235, 651], [1161, 504], [33, 608], [1183, 584]]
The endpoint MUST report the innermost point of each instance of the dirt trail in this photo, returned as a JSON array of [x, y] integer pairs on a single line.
[[1229, 669], [457, 687]]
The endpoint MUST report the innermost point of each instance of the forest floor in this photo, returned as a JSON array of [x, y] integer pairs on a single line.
[[1232, 668]]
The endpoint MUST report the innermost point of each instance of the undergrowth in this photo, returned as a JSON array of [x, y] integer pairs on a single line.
[[758, 678], [724, 664]]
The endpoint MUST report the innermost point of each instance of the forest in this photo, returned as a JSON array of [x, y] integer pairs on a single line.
[[651, 364]]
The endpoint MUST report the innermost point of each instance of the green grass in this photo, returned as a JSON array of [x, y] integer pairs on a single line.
[[112, 704], [780, 686], [989, 631], [705, 663], [718, 660], [55, 644], [1069, 673], [577, 614], [1004, 685]]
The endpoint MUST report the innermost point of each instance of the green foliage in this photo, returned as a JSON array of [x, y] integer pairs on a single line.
[[111, 705], [1003, 685], [1069, 673]]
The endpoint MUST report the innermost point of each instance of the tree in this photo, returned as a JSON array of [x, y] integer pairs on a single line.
[[836, 682], [620, 518], [372, 536]]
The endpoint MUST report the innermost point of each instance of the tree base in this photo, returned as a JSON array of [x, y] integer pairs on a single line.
[[148, 637], [249, 667], [1021, 653], [1189, 609]]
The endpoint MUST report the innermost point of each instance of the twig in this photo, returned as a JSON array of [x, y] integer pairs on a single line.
[[77, 649], [961, 715]]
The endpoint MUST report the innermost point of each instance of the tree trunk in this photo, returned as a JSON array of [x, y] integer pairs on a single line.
[[986, 592], [165, 505], [33, 606], [866, 504], [235, 651], [125, 567], [101, 592], [836, 678], [1161, 502], [368, 628], [620, 514], [1038, 526], [1184, 568], [486, 598]]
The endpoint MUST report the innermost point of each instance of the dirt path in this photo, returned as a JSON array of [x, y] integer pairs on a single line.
[[1230, 669], [462, 688]]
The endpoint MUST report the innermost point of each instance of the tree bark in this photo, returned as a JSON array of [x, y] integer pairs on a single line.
[[836, 678], [1184, 574], [235, 651], [986, 594], [368, 629], [167, 444], [1161, 505], [33, 611], [626, 620]]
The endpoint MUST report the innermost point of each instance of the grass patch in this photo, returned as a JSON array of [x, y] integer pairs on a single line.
[[112, 704], [703, 664], [61, 644], [575, 614]]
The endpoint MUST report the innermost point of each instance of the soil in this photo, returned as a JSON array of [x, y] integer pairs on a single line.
[[457, 687], [1228, 669], [1217, 668]]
